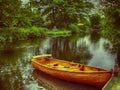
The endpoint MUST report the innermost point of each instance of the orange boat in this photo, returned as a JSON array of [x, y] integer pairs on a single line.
[[71, 71]]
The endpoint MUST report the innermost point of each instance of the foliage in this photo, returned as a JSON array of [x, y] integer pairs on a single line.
[[74, 28], [111, 21], [10, 34], [36, 32], [112, 12], [2, 38], [62, 12], [61, 32], [95, 20], [9, 12], [116, 86], [14, 14]]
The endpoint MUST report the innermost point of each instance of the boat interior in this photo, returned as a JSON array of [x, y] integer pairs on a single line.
[[65, 65]]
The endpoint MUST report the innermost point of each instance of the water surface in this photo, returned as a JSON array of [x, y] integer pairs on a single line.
[[17, 73]]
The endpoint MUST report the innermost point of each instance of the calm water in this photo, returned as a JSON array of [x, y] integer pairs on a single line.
[[17, 73]]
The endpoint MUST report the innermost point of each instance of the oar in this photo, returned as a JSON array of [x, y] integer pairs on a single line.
[[44, 55]]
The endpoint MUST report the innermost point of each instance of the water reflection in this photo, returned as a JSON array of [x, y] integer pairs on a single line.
[[15, 66], [45, 46], [84, 50], [56, 84], [15, 58], [65, 48], [101, 53]]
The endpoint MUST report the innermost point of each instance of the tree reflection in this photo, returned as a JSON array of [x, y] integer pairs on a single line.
[[15, 67], [15, 59], [64, 48]]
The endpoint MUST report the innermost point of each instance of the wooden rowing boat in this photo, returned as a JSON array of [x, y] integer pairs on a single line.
[[71, 71]]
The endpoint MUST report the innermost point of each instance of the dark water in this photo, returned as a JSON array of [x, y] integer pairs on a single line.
[[17, 73]]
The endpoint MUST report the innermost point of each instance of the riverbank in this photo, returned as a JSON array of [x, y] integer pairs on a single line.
[[15, 33], [114, 84], [58, 33]]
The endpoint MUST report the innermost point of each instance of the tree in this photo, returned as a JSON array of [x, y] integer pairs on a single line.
[[10, 12], [14, 14], [112, 19], [95, 21], [112, 12], [27, 16], [62, 12]]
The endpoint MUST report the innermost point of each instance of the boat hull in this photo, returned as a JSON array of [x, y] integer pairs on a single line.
[[95, 78]]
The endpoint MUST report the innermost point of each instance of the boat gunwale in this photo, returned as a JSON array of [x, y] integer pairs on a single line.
[[88, 72]]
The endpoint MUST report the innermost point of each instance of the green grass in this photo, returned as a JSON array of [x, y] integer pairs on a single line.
[[116, 86], [65, 32], [15, 33]]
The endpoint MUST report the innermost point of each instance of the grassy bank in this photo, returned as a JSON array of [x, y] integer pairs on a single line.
[[59, 33], [12, 34]]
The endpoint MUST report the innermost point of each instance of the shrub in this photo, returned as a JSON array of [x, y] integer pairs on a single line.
[[2, 38], [36, 31], [74, 28], [95, 20], [10, 34]]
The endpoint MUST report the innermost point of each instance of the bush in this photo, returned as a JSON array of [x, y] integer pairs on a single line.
[[74, 28], [36, 31], [19, 33], [95, 20], [2, 38], [10, 34], [5, 35]]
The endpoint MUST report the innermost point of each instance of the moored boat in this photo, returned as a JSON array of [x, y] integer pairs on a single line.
[[70, 71]]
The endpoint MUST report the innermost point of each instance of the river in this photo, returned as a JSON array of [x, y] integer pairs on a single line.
[[17, 73]]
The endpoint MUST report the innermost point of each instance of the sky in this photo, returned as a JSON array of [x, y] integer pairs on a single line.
[[25, 1]]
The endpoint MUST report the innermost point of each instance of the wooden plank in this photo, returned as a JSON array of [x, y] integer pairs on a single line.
[[44, 55]]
